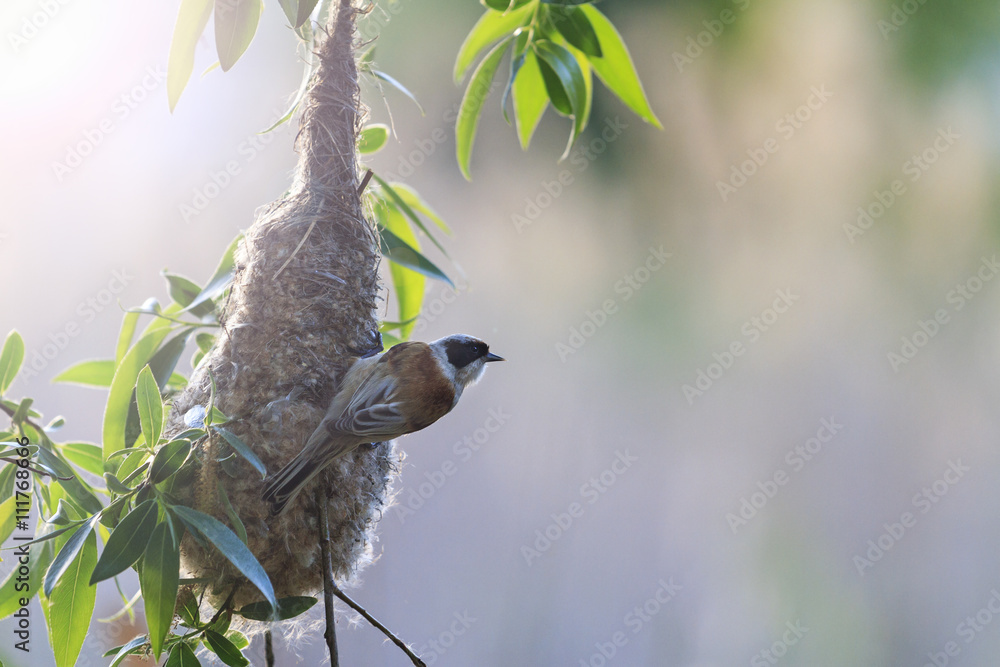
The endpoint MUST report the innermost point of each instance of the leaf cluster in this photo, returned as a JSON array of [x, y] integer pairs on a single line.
[[124, 492], [555, 47]]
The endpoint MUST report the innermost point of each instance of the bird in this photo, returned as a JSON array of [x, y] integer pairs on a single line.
[[384, 396]]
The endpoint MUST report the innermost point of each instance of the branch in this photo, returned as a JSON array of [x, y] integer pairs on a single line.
[[329, 587], [414, 658]]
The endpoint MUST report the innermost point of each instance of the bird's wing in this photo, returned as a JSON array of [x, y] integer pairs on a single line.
[[373, 412]]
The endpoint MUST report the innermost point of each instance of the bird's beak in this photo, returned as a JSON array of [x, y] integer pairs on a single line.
[[493, 357]]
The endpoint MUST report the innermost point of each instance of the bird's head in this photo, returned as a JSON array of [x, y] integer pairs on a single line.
[[463, 357]]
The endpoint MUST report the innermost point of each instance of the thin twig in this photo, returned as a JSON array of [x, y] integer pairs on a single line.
[[414, 658], [364, 181], [268, 649], [37, 471], [225, 605], [329, 587], [294, 252]]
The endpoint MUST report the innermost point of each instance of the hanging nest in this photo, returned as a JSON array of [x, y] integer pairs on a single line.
[[302, 304]]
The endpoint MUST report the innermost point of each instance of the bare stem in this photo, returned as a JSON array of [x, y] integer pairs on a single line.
[[329, 587], [414, 658], [268, 649]]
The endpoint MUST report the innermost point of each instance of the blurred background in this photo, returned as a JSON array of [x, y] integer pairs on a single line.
[[748, 412]]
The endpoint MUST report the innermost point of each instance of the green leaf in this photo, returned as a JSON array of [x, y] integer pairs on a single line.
[[410, 196], [131, 648], [181, 655], [287, 608], [129, 323], [120, 396], [7, 481], [168, 460], [243, 450], [574, 25], [516, 62], [65, 514], [398, 86], [229, 545], [223, 275], [162, 364], [235, 25], [11, 358], [397, 250], [204, 341], [373, 138], [127, 542], [530, 98], [409, 285], [234, 518], [491, 26], [67, 555], [47, 536], [74, 486], [8, 520], [305, 10], [504, 5], [238, 639], [182, 290], [38, 561], [159, 580], [85, 455], [407, 211], [472, 104], [225, 649], [115, 485], [615, 67], [23, 411], [570, 77], [291, 10], [191, 22], [150, 405], [71, 604], [188, 608]]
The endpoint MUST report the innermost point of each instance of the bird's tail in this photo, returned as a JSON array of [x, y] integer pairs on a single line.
[[312, 460], [287, 483]]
